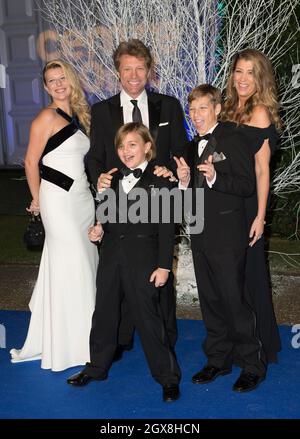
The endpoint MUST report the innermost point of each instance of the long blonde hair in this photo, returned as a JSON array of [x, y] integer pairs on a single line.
[[265, 93], [78, 101]]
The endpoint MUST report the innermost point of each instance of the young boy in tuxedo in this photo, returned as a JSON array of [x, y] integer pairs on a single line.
[[218, 161], [135, 261]]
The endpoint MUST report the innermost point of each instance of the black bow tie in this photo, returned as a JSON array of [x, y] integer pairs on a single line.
[[197, 138], [136, 172]]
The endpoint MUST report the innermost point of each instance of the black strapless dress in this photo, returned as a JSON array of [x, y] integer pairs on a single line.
[[258, 289]]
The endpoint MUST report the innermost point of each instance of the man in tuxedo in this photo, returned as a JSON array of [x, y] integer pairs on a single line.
[[163, 116], [135, 262], [219, 162]]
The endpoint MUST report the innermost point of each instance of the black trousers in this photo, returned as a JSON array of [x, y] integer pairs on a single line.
[[114, 281], [229, 320], [168, 308]]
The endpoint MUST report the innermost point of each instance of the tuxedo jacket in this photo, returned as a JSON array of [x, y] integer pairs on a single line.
[[166, 124], [143, 245], [224, 211]]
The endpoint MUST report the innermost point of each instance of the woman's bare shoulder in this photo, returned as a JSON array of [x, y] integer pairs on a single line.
[[260, 117], [46, 115], [44, 122]]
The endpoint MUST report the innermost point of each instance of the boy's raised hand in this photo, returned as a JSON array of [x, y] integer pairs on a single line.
[[104, 181], [183, 171], [208, 168]]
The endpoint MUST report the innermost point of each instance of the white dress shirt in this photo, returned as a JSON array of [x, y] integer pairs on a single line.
[[201, 147], [129, 181], [127, 106]]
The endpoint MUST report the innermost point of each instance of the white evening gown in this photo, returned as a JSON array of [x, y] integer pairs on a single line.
[[63, 299]]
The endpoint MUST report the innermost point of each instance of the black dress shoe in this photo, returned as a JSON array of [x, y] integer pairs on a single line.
[[209, 374], [120, 350], [82, 379], [247, 381], [171, 392]]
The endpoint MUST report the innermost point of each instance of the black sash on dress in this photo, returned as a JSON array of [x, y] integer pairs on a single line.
[[53, 175], [56, 177]]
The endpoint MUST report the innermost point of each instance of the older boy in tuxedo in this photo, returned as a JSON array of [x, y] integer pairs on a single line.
[[135, 263], [218, 161]]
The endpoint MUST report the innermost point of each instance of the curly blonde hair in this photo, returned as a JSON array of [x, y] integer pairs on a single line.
[[265, 93], [78, 101]]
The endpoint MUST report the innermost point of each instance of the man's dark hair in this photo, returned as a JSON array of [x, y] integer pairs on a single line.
[[132, 47]]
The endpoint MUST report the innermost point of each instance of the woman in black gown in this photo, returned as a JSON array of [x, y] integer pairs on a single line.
[[251, 104]]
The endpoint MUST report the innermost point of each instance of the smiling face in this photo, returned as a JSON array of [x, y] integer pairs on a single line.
[[133, 75], [243, 79], [204, 113], [132, 150], [57, 84]]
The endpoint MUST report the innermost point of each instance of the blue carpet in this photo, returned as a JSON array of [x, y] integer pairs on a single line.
[[27, 391]]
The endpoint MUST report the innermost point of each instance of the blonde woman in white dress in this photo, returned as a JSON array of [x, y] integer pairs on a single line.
[[64, 295]]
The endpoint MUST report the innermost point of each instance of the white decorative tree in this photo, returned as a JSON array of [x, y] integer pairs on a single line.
[[192, 41]]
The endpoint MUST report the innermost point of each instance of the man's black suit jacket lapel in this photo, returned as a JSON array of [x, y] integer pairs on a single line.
[[116, 112], [154, 108]]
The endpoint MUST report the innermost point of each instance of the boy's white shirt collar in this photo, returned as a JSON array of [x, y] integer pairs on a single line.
[[204, 142], [131, 177], [129, 181], [142, 166]]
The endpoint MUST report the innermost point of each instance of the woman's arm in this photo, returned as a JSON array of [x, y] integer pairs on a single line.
[[40, 131], [262, 173], [260, 119]]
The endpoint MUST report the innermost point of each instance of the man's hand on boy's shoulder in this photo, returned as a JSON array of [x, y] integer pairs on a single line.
[[162, 171]]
